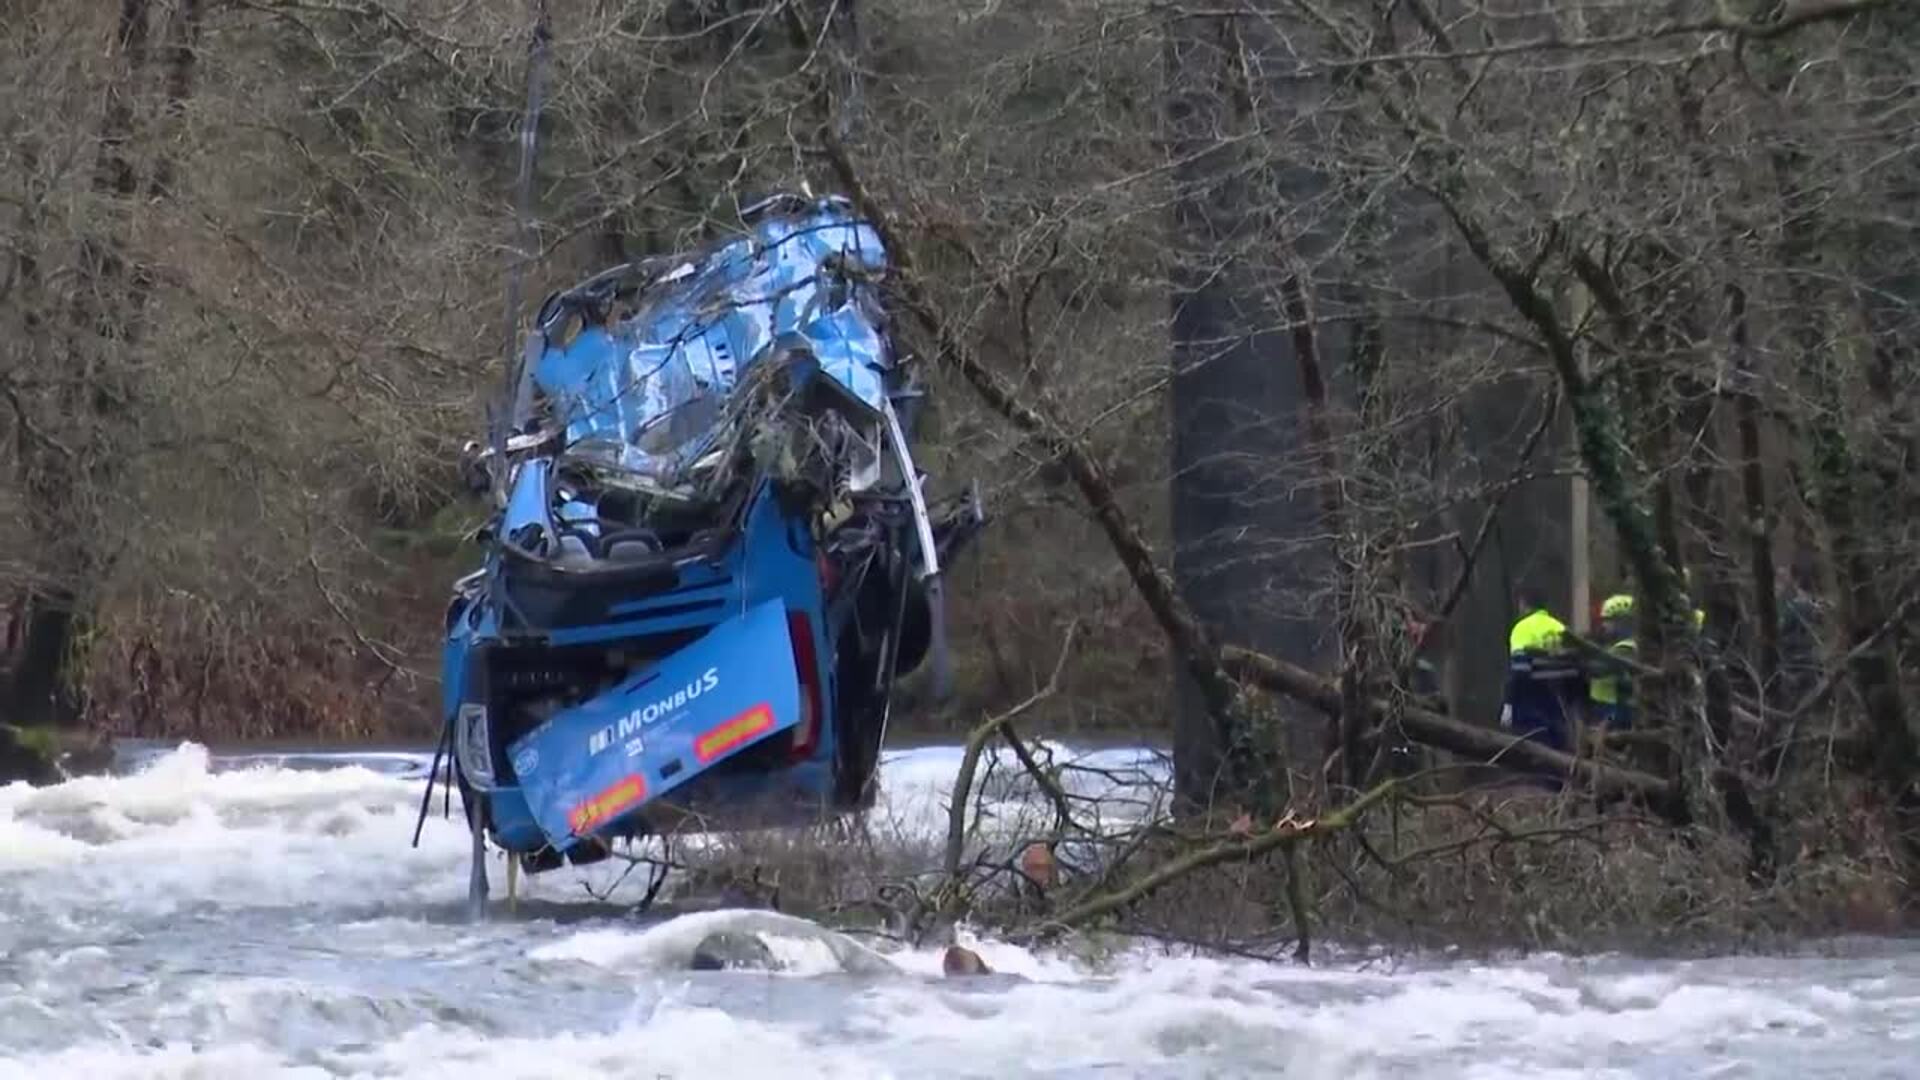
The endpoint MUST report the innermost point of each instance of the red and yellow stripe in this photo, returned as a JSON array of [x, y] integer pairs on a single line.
[[606, 804], [733, 733]]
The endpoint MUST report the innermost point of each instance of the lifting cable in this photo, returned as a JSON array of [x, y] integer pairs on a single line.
[[525, 247]]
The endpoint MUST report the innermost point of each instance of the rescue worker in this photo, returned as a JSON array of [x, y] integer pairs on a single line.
[[1699, 614], [1537, 631], [1609, 687], [1537, 673]]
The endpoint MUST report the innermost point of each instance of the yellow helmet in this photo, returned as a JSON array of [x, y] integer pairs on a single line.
[[1617, 606]]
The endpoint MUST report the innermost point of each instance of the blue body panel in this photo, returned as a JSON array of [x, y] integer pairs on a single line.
[[768, 572], [588, 767], [512, 821]]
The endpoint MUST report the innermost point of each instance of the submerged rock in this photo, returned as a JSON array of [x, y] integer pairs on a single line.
[[724, 932], [733, 950], [960, 962]]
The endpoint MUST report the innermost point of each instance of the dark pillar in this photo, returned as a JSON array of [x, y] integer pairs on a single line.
[[1242, 512]]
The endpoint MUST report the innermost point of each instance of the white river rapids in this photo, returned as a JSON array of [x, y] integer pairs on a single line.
[[209, 918]]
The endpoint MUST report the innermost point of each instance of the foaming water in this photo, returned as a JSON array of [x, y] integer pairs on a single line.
[[211, 916]]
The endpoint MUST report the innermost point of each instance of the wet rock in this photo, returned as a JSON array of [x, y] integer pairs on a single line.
[[960, 962], [853, 957], [726, 950], [28, 755]]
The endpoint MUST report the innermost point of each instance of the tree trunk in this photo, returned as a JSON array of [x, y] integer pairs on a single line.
[[1758, 523], [1650, 537], [1729, 774], [1233, 400], [181, 51]]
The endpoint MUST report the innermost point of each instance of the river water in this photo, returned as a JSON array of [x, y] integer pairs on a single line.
[[206, 917]]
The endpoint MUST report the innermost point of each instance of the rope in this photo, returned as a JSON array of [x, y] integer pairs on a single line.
[[537, 49]]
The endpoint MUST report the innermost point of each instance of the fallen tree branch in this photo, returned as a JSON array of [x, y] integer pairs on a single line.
[[379, 652], [970, 758], [1048, 785], [1284, 834], [1446, 733], [1501, 837], [24, 418]]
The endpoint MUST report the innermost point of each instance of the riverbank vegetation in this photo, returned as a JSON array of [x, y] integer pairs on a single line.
[[1480, 871], [1273, 331]]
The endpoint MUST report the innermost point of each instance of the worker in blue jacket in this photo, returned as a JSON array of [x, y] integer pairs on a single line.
[[1540, 675]]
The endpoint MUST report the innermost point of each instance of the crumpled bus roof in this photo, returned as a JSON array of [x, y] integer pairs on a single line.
[[644, 393]]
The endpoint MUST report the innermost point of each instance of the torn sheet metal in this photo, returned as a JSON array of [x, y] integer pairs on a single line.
[[649, 394]]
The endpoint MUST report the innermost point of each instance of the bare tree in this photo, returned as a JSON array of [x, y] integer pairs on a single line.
[[1279, 326]]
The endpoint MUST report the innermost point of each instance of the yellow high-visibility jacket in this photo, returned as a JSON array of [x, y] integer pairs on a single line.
[[1605, 689], [1538, 631]]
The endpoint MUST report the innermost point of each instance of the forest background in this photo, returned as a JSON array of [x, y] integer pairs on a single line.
[[1271, 329]]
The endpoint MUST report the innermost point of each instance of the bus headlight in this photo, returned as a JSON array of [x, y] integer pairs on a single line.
[[472, 746]]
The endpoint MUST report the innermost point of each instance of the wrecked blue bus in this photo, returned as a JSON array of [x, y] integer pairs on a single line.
[[710, 555]]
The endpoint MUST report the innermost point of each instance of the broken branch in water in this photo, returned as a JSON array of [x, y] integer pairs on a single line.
[[1284, 833], [970, 760], [1049, 785], [657, 871]]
